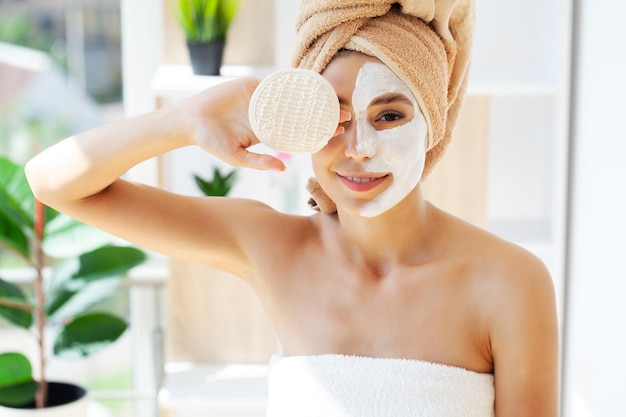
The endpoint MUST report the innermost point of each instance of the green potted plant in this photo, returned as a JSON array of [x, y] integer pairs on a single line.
[[74, 270], [205, 24], [219, 185]]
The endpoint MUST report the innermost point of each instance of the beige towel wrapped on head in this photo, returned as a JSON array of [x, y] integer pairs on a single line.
[[426, 43]]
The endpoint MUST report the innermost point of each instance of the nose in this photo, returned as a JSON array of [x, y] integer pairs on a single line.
[[360, 140]]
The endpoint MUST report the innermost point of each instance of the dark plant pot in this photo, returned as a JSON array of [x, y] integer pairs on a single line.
[[206, 57], [66, 400]]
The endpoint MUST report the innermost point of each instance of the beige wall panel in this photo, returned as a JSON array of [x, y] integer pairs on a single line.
[[174, 47], [458, 184], [214, 317]]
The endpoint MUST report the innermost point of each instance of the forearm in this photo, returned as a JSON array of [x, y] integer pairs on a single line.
[[85, 164]]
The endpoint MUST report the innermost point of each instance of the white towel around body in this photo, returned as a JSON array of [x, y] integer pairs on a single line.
[[337, 385]]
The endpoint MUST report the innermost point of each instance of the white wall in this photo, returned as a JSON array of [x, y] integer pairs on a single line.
[[285, 12], [142, 28], [595, 342]]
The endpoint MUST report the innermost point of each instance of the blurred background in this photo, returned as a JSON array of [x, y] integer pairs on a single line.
[[537, 159]]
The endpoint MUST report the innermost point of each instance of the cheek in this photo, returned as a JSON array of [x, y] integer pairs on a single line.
[[316, 164], [321, 160], [401, 149]]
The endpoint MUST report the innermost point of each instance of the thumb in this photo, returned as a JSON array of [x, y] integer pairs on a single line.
[[263, 162]]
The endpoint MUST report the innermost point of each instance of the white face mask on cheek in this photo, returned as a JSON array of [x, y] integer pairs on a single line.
[[400, 151]]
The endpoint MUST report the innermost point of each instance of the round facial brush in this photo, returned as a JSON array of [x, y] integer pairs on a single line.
[[294, 111]]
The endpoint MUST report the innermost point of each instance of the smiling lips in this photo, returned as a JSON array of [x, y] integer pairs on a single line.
[[362, 184]]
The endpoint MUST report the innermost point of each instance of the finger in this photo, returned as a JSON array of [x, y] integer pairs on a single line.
[[340, 130], [344, 116], [258, 161]]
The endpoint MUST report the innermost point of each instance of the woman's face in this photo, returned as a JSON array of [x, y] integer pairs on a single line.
[[379, 159]]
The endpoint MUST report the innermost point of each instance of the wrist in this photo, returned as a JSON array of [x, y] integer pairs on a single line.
[[175, 125]]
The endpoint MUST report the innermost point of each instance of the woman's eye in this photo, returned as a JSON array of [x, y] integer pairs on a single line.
[[390, 116]]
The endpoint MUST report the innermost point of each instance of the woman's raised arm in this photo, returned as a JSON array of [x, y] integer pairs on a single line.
[[80, 175], [84, 165]]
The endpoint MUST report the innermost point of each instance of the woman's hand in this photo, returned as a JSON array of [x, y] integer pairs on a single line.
[[219, 123], [344, 116]]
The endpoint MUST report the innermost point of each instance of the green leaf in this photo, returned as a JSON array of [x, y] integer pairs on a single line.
[[49, 215], [219, 186], [77, 277], [209, 20], [17, 386], [229, 11], [19, 394], [66, 237], [13, 237], [70, 303], [183, 17], [108, 261], [12, 292], [16, 198], [89, 333], [16, 208], [205, 20], [14, 369]]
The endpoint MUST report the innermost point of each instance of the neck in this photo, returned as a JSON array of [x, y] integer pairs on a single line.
[[398, 236]]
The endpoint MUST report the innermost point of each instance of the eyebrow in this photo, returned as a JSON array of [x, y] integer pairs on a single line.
[[390, 98], [385, 99]]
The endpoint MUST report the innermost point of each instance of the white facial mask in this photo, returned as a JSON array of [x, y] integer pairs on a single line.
[[400, 151]]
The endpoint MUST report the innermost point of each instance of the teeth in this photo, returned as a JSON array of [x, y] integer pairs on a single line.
[[361, 180]]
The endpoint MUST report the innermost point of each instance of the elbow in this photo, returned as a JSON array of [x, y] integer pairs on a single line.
[[39, 180]]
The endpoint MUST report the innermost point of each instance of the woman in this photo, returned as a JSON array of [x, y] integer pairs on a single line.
[[384, 304]]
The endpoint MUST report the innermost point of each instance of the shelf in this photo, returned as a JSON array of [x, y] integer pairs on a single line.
[[178, 81]]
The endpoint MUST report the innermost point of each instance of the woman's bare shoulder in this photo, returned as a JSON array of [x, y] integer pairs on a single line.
[[497, 263], [515, 299]]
